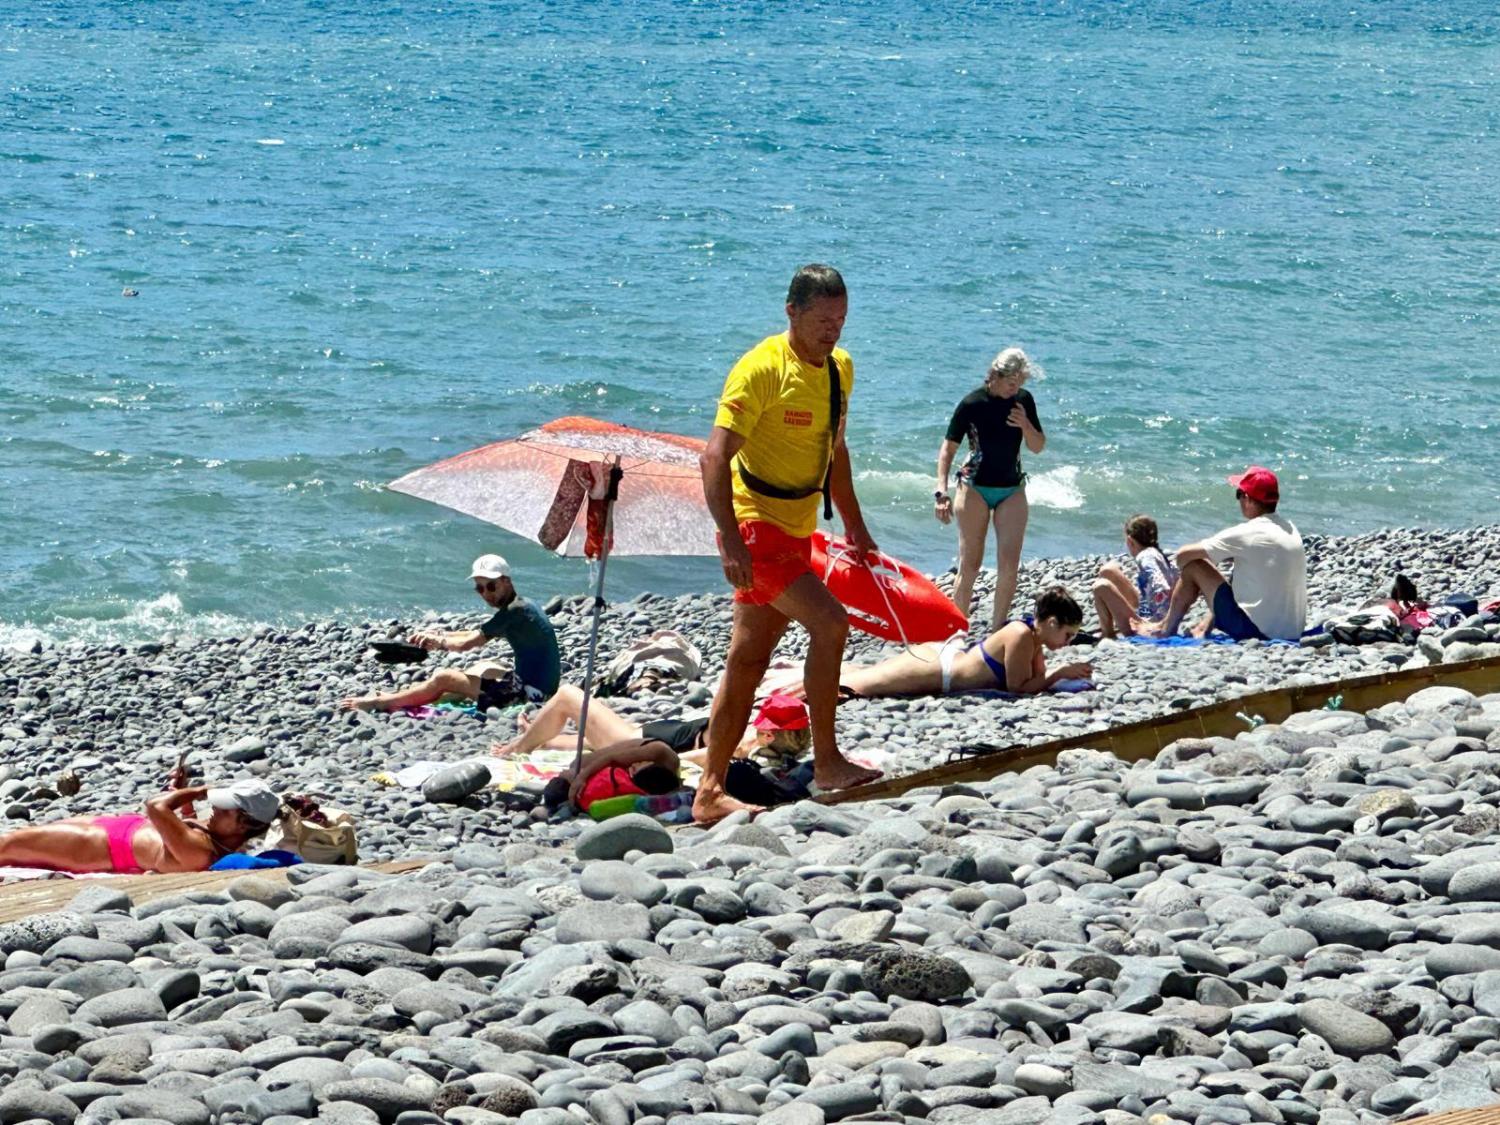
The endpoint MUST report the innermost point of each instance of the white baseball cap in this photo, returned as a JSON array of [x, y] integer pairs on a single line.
[[254, 798], [490, 566]]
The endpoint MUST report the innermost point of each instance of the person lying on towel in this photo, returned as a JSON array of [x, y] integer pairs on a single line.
[[633, 768], [779, 729], [168, 839], [1012, 659]]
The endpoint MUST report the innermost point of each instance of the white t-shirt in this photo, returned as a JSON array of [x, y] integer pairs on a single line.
[[1270, 572]]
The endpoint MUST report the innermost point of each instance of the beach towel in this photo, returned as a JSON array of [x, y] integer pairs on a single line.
[[1062, 687], [1179, 641], [239, 861], [428, 710], [27, 874]]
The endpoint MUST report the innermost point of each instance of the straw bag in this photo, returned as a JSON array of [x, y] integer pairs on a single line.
[[318, 835]]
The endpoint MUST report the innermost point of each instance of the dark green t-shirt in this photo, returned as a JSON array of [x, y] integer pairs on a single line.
[[532, 640]]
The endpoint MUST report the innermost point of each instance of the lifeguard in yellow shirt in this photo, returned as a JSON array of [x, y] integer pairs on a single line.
[[776, 449]]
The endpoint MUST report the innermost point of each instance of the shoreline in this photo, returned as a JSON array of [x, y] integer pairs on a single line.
[[162, 614], [265, 704]]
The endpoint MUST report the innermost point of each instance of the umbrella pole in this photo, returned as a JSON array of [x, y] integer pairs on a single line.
[[615, 473]]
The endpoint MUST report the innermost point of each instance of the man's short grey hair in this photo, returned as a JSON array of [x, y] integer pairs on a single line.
[[1013, 361], [812, 282]]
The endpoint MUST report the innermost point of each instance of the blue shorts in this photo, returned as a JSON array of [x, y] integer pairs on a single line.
[[1230, 618]]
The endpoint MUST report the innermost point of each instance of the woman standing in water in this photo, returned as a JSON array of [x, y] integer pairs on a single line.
[[995, 419]]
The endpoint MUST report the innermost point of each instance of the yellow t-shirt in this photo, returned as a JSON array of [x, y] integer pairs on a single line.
[[779, 405]]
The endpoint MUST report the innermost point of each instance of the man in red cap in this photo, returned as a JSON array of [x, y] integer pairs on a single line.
[[1267, 596]]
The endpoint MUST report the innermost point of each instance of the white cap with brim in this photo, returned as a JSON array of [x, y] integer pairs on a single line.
[[253, 798], [490, 566]]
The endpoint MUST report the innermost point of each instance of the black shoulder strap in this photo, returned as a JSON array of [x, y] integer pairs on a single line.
[[835, 413]]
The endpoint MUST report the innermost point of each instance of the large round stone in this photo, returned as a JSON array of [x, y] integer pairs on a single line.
[[615, 837], [613, 878], [603, 921], [915, 975], [1348, 1032], [1479, 883]]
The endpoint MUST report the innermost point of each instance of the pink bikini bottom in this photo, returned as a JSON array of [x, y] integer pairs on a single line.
[[120, 831]]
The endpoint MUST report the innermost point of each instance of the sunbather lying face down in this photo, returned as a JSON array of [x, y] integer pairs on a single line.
[[1012, 659], [779, 723], [166, 839], [631, 768]]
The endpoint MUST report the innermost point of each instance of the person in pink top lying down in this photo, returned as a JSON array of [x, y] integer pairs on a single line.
[[167, 839]]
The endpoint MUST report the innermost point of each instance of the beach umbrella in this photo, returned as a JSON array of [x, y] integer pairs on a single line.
[[580, 486]]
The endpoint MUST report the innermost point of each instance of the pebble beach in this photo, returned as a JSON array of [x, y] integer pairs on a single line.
[[1298, 924]]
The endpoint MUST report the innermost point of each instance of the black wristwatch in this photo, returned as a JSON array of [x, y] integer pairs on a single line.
[[939, 495]]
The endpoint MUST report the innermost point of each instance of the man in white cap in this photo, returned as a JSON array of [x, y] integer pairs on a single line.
[[518, 621]]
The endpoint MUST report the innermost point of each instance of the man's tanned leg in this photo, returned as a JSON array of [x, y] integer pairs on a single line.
[[1198, 579], [757, 628], [808, 602]]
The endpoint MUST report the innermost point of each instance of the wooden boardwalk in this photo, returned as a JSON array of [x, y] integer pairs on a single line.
[[42, 896], [1490, 1115], [1147, 738]]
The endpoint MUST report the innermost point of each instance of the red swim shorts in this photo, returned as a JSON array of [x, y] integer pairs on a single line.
[[777, 559]]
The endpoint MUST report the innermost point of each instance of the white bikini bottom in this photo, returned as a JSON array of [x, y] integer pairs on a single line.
[[947, 654]]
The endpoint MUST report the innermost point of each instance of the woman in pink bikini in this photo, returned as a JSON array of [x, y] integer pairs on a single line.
[[166, 839]]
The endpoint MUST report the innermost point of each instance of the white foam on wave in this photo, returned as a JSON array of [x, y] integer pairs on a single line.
[[1057, 488], [162, 618]]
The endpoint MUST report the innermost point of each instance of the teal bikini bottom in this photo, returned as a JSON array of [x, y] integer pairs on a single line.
[[994, 496]]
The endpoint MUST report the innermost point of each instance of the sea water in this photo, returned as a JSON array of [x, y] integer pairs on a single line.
[[365, 237]]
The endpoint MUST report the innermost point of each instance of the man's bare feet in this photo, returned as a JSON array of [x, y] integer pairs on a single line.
[[360, 703], [1150, 629], [523, 721], [502, 749], [1202, 629], [712, 806], [844, 775]]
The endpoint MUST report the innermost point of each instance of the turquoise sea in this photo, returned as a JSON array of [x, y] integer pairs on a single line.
[[364, 237]]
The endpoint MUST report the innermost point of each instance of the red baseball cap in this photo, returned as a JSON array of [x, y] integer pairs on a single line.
[[1258, 483], [781, 712]]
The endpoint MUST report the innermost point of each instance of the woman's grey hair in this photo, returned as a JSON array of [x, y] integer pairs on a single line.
[[1013, 361]]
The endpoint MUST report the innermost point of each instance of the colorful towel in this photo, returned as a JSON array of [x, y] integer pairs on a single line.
[[428, 710], [505, 773]]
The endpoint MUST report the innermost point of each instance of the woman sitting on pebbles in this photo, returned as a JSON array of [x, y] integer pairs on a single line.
[[166, 839], [1010, 660], [780, 728], [1124, 606]]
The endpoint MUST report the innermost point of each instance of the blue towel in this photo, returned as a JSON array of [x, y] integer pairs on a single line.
[[1214, 638], [1181, 641], [1062, 687], [239, 861]]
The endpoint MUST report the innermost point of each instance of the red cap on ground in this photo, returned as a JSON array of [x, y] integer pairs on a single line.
[[781, 712], [1259, 484]]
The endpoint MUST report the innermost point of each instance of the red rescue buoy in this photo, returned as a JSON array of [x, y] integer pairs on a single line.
[[885, 597]]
